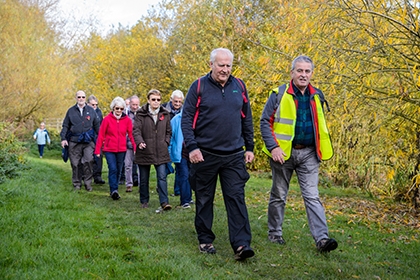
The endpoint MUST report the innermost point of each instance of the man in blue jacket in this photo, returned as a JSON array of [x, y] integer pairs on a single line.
[[78, 133], [217, 125]]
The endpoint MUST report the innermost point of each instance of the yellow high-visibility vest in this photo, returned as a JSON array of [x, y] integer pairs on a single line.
[[285, 122]]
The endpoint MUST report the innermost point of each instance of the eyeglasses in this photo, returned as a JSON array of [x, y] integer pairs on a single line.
[[155, 99], [93, 104], [81, 97], [118, 108]]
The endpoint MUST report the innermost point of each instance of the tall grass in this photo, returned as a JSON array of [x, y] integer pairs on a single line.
[[48, 231]]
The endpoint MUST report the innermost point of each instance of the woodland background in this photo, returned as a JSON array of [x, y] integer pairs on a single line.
[[366, 54]]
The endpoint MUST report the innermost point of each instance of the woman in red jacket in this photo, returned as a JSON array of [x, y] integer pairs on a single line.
[[112, 140]]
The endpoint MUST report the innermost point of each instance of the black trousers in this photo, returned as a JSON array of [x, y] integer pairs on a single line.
[[232, 174]]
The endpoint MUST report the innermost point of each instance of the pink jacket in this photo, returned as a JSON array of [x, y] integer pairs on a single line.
[[112, 134]]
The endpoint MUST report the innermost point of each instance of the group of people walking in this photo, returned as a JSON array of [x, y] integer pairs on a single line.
[[211, 137]]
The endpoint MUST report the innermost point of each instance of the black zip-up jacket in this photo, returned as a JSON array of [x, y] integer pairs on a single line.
[[220, 127], [75, 124]]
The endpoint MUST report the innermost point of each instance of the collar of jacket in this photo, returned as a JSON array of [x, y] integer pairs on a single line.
[[218, 84], [291, 90]]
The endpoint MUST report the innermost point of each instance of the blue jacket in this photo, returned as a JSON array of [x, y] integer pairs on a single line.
[[220, 127], [42, 137], [175, 146]]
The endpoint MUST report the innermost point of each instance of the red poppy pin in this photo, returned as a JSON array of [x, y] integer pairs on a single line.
[[88, 118], [162, 117]]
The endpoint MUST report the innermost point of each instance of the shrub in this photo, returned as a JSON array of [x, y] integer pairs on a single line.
[[11, 153]]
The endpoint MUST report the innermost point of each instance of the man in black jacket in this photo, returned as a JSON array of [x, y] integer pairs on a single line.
[[80, 126], [217, 125], [98, 161]]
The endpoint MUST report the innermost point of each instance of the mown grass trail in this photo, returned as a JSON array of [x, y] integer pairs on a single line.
[[51, 232]]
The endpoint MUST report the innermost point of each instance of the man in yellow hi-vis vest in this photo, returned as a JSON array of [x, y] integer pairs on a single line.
[[296, 139]]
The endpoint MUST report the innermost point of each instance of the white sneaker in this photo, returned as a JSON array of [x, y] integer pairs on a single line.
[[186, 206]]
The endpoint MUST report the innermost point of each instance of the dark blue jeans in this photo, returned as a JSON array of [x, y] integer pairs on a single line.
[[115, 164], [161, 183], [41, 150], [181, 180]]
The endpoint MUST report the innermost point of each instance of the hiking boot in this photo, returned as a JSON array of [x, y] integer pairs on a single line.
[[277, 239], [145, 205], [244, 252], [326, 245], [166, 206], [207, 248]]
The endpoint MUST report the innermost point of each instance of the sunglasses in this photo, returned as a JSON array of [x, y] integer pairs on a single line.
[[81, 97], [155, 99], [93, 104], [118, 108]]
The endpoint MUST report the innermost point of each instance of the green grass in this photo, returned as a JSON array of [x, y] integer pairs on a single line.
[[51, 232]]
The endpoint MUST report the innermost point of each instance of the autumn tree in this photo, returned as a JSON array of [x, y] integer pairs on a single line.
[[33, 71], [372, 51]]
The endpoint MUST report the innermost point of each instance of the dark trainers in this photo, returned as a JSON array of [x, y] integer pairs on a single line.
[[326, 245], [207, 248], [115, 195], [243, 252], [277, 239]]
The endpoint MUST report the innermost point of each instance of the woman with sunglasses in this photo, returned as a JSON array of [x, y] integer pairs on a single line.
[[152, 133], [112, 140]]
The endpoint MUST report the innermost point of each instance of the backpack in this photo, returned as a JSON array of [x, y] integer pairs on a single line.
[[200, 88], [282, 89]]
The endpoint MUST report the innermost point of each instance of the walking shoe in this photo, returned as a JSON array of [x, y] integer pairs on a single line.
[[77, 188], [145, 205], [207, 248], [99, 181], [166, 206], [244, 252], [277, 239], [89, 189], [326, 245], [186, 206], [115, 195], [129, 189]]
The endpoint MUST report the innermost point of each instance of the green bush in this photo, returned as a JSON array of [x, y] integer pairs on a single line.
[[11, 153]]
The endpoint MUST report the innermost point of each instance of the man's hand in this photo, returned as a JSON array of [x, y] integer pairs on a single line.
[[196, 156], [278, 155], [249, 156], [64, 143]]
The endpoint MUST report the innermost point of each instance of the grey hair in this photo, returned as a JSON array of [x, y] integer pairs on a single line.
[[92, 97], [118, 101], [302, 58], [80, 91], [214, 53], [177, 93], [134, 97]]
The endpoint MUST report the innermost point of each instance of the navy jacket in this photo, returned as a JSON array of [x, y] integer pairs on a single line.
[[220, 126], [74, 123]]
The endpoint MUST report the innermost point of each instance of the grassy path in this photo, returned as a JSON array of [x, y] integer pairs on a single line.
[[50, 232]]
